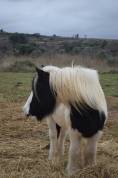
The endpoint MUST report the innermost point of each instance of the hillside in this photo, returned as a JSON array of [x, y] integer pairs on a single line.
[[35, 45]]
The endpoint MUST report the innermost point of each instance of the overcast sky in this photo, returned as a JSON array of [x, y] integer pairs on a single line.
[[94, 18]]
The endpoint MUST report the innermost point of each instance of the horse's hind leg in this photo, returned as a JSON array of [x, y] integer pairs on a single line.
[[74, 151], [91, 148]]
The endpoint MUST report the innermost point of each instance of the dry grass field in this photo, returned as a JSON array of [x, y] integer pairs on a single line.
[[22, 141], [21, 63]]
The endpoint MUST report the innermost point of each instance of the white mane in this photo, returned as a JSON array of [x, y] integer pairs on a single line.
[[77, 85], [50, 68]]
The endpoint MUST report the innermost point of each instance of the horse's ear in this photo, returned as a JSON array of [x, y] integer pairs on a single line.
[[42, 66], [41, 73]]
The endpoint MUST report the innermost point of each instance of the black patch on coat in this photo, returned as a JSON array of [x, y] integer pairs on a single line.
[[58, 130], [87, 120], [45, 103]]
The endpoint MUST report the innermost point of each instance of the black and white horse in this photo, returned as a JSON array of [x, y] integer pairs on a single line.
[[73, 101]]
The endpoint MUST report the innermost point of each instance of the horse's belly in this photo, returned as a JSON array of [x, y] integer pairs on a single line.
[[59, 116]]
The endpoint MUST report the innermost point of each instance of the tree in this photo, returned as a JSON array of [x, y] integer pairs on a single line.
[[1, 30], [77, 36]]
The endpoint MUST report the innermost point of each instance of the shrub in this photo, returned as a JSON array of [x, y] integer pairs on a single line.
[[102, 54], [103, 44], [18, 38], [25, 49], [76, 50], [68, 47]]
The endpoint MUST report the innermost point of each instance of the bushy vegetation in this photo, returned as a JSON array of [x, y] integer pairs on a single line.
[[20, 43], [37, 45], [25, 49], [17, 38]]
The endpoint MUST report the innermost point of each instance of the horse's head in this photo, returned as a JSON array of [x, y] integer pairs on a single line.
[[41, 101]]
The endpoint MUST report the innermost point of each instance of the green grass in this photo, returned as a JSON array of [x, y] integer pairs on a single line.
[[15, 86], [109, 83], [10, 90]]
